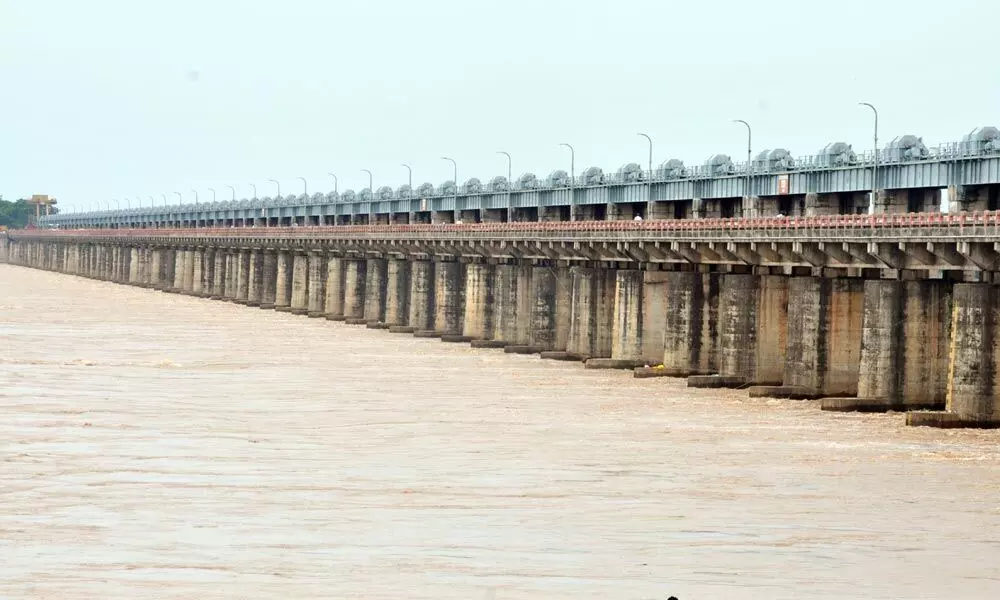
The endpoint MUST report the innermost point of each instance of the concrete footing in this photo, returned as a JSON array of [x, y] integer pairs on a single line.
[[266, 306], [488, 344], [793, 392], [559, 355], [283, 308], [646, 372], [376, 325], [299, 311], [521, 349], [947, 420], [455, 338], [402, 329], [715, 381], [612, 363], [356, 320], [874, 405], [333, 317], [314, 314], [426, 333]]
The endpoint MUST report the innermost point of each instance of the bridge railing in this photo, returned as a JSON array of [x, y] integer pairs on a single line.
[[833, 227]]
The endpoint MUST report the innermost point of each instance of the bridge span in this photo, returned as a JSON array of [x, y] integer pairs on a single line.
[[876, 313]]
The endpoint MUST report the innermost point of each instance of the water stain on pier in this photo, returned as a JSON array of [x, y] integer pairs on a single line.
[[169, 447]]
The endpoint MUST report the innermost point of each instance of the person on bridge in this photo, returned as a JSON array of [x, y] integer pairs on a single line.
[[637, 218]]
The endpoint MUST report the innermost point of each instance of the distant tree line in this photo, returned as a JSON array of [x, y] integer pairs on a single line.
[[17, 214]]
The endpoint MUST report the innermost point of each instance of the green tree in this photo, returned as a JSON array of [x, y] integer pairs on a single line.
[[17, 214]]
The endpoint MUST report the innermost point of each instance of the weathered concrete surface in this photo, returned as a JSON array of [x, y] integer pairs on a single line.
[[904, 344], [422, 301], [354, 288], [752, 328], [592, 313], [283, 285], [316, 304], [335, 277], [256, 284], [972, 379], [823, 350], [397, 294], [549, 319], [449, 295], [690, 334], [269, 279], [479, 301], [300, 284], [627, 324], [243, 275], [375, 290]]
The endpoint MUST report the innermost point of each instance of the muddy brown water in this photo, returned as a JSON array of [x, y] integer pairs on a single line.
[[159, 446]]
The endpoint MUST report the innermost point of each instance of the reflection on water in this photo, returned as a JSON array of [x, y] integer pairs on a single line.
[[161, 446]]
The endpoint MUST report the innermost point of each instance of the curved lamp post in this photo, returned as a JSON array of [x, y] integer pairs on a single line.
[[305, 185], [275, 182], [409, 180], [254, 191], [334, 182], [509, 161], [233, 190], [455, 167], [746, 192], [871, 203]]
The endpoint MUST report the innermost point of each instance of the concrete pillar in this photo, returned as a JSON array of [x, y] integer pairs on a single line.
[[187, 284], [478, 320], [134, 275], [690, 334], [654, 319], [449, 294], [512, 305], [317, 284], [283, 286], [232, 274], [823, 348], [354, 290], [972, 377], [300, 284], [547, 316], [178, 282], [752, 327], [256, 277], [334, 305], [219, 274], [422, 301], [375, 290], [397, 292], [208, 272], [269, 278], [155, 267], [904, 347], [592, 313], [198, 279], [243, 276], [627, 325]]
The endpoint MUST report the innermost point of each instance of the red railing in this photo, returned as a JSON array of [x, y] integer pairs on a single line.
[[958, 221]]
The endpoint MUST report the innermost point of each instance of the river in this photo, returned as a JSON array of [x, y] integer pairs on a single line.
[[162, 446]]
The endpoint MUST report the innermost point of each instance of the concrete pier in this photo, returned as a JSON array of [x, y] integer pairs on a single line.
[[591, 313], [422, 300], [243, 276], [627, 326], [449, 295], [197, 271], [283, 284], [375, 291], [397, 295], [269, 278], [300, 284], [256, 278], [479, 301], [334, 303], [690, 331], [317, 284], [218, 290], [355, 280]]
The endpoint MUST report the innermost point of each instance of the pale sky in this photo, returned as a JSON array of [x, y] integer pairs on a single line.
[[104, 99]]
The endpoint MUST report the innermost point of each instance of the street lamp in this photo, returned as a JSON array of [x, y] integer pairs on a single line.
[[305, 186], [117, 205], [455, 165], [233, 190], [649, 175], [275, 182], [746, 192], [572, 181], [334, 182], [195, 197], [254, 191], [410, 179], [164, 199], [213, 194], [370, 184], [507, 154], [180, 198], [871, 202]]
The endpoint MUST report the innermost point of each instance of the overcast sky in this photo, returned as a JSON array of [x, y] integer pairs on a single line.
[[104, 99]]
